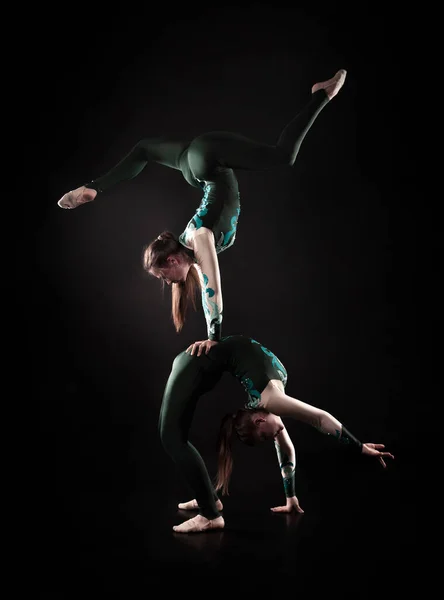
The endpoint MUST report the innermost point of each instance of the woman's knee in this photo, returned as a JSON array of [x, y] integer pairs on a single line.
[[168, 435], [171, 438], [285, 157]]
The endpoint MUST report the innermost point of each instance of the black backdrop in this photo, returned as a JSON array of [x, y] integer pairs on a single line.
[[318, 272]]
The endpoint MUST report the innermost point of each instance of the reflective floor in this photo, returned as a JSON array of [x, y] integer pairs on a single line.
[[356, 537]]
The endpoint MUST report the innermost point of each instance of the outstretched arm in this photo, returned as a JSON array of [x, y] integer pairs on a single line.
[[370, 449], [205, 253], [280, 404], [287, 462]]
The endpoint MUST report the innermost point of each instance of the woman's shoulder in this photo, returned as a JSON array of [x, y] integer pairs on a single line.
[[203, 233], [192, 235]]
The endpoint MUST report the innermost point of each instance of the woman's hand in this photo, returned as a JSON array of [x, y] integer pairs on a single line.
[[374, 450], [292, 505], [199, 347]]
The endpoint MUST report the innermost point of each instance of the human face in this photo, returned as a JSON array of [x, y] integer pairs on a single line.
[[268, 426], [175, 271]]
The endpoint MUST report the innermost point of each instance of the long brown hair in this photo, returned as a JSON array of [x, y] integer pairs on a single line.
[[183, 294], [242, 423]]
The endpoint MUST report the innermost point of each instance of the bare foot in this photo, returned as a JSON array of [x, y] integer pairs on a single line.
[[331, 86], [74, 198], [198, 524], [192, 505]]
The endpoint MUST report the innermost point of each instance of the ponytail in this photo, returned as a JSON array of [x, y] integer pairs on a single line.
[[182, 296], [225, 455], [242, 424]]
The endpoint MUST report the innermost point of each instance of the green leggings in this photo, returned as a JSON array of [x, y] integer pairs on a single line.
[[208, 156], [190, 377]]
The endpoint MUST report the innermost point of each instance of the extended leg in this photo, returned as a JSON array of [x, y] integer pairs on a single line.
[[211, 151], [149, 150]]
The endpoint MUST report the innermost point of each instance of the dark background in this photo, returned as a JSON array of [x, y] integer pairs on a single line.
[[322, 273]]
